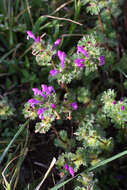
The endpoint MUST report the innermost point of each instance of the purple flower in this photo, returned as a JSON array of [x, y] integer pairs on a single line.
[[71, 171], [44, 88], [62, 56], [79, 63], [47, 90], [81, 49], [31, 35], [122, 107], [38, 92], [57, 42], [114, 102], [51, 89], [102, 60], [54, 72], [38, 39], [40, 112], [66, 167], [53, 106], [74, 105], [33, 102]]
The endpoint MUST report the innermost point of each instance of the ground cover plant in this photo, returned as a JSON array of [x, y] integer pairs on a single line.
[[69, 91]]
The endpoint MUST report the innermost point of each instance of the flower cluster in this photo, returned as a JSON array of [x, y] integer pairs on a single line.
[[83, 58], [102, 60], [122, 106], [44, 93], [116, 110], [70, 169]]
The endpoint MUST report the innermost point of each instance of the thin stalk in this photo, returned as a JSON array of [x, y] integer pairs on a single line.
[[13, 140], [57, 134]]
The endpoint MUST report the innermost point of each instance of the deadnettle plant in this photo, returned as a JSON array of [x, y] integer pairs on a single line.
[[48, 107]]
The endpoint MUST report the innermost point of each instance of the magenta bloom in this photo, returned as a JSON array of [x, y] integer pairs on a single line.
[[66, 167], [122, 107], [47, 90], [44, 88], [40, 112], [81, 49], [38, 39], [74, 105], [38, 92], [102, 60], [54, 72], [71, 171], [51, 89], [31, 35], [57, 42], [114, 102], [62, 56], [33, 102], [53, 106], [79, 63]]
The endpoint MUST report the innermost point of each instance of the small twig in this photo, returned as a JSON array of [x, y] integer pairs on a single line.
[[125, 15], [11, 92], [69, 115], [28, 9], [4, 74], [58, 116], [101, 23], [53, 64], [62, 6], [68, 35], [40, 164], [63, 85], [58, 18], [98, 140], [47, 173], [57, 134], [115, 24], [42, 35]]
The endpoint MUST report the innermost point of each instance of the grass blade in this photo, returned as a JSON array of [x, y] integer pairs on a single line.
[[13, 140]]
